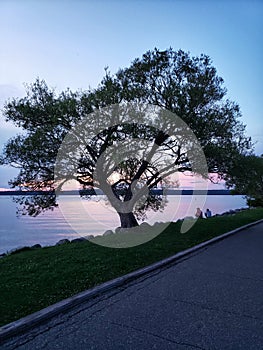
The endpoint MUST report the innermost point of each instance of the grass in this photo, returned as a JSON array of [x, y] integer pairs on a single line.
[[34, 279]]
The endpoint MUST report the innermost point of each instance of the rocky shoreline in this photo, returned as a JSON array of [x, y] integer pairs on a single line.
[[144, 225]]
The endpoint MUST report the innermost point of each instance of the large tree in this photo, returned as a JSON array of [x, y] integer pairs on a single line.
[[173, 81]]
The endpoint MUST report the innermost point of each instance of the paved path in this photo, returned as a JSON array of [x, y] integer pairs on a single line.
[[212, 299]]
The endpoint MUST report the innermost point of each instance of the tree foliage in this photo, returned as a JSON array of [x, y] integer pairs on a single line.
[[45, 119], [246, 177], [189, 87], [173, 80]]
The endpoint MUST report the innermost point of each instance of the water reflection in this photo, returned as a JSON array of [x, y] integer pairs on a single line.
[[51, 226]]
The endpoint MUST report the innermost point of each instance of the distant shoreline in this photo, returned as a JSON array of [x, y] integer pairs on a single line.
[[99, 192]]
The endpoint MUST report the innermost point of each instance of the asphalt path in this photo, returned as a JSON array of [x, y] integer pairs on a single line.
[[212, 299]]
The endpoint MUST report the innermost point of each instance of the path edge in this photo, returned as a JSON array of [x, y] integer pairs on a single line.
[[19, 326]]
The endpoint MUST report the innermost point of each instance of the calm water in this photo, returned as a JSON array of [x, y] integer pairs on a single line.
[[77, 217]]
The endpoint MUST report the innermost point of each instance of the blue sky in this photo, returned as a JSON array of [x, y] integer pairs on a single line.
[[69, 43]]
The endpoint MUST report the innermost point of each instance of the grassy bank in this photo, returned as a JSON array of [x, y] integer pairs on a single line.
[[32, 280]]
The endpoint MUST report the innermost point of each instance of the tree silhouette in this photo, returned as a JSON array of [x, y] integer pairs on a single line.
[[129, 133]]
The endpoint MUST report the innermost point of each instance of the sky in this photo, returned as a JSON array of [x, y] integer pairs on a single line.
[[69, 44]]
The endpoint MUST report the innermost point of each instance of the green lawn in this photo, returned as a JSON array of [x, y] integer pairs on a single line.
[[32, 280]]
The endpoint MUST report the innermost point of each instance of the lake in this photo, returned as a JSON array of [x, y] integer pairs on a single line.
[[77, 217]]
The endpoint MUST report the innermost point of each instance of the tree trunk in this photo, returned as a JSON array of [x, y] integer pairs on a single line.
[[128, 220]]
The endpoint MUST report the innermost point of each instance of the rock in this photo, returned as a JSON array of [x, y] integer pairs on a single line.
[[160, 224], [125, 229], [63, 241], [145, 226], [19, 250], [89, 237], [108, 232], [78, 240], [189, 218], [36, 246], [118, 229]]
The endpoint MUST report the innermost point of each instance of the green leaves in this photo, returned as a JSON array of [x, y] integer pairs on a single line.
[[246, 177], [173, 80]]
